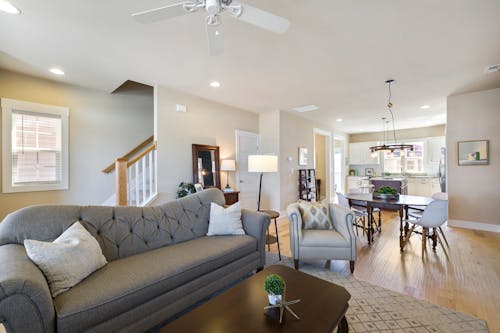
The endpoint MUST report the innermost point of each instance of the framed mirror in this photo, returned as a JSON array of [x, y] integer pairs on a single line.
[[206, 169]]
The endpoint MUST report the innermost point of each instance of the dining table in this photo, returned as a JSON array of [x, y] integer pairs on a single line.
[[400, 205]]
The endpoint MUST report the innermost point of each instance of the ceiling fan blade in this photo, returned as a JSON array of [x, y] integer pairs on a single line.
[[215, 41], [162, 13], [263, 19]]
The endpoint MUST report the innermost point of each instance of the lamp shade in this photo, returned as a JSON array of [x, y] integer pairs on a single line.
[[228, 165], [262, 163]]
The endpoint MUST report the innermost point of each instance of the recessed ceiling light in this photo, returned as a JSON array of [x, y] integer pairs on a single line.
[[215, 84], [492, 69], [340, 120], [56, 71], [7, 7], [425, 107], [306, 108]]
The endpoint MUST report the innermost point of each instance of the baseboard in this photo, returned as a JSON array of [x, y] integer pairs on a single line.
[[474, 225]]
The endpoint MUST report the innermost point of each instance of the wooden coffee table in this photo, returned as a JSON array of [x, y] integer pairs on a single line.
[[241, 309]]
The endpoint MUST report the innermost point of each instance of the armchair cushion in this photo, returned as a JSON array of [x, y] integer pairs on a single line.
[[324, 238], [315, 215]]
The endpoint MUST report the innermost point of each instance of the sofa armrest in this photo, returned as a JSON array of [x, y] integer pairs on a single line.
[[256, 224], [343, 219], [25, 300], [295, 228]]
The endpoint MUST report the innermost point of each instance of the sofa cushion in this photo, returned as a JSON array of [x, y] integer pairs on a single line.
[[319, 238], [69, 259], [126, 283]]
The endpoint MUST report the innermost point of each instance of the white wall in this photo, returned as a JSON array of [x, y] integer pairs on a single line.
[[269, 130], [102, 127], [205, 122], [474, 191]]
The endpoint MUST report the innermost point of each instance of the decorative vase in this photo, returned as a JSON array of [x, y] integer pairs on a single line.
[[274, 299]]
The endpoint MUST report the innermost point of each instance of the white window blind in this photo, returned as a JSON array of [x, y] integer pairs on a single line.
[[36, 148]]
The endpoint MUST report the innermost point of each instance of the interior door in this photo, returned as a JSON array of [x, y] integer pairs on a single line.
[[247, 143]]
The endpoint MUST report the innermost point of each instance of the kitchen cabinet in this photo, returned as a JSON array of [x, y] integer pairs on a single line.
[[423, 186], [359, 153], [434, 148], [357, 184]]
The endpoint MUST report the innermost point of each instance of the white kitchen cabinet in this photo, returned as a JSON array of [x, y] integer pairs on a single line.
[[434, 148], [423, 186], [359, 153]]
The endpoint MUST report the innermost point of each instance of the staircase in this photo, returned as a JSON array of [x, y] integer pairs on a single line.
[[136, 176]]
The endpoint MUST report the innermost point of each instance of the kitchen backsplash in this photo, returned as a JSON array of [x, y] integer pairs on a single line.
[[378, 169]]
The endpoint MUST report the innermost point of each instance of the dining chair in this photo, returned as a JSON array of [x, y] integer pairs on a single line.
[[433, 217], [416, 212], [360, 216]]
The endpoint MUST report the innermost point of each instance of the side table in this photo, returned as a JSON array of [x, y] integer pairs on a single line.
[[273, 215], [231, 197]]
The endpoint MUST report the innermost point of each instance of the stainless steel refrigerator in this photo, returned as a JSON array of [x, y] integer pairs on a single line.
[[442, 170]]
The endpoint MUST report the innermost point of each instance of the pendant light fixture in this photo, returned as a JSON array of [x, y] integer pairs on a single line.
[[385, 146]]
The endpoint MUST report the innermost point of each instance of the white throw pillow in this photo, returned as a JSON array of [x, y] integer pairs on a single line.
[[225, 221], [68, 260]]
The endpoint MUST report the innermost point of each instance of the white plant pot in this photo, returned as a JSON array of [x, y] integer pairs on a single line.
[[274, 299]]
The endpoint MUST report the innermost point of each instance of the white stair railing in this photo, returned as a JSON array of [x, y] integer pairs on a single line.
[[136, 183]]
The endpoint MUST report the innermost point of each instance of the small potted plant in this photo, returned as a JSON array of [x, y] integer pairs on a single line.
[[274, 285], [386, 193]]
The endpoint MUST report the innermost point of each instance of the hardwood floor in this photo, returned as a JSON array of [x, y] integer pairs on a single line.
[[467, 280]]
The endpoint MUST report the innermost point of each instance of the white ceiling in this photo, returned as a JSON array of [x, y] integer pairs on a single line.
[[337, 54]]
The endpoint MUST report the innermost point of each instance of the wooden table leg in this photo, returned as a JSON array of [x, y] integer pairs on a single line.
[[401, 231], [369, 210], [343, 326], [407, 225]]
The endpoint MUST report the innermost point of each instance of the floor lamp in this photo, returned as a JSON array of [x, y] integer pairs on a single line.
[[261, 164]]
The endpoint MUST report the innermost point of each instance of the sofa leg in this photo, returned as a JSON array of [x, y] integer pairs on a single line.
[[296, 263], [259, 269], [351, 265]]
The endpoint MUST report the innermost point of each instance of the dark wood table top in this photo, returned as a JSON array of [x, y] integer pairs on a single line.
[[404, 200], [241, 308], [272, 214]]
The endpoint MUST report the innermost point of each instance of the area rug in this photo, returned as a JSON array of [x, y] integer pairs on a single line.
[[376, 309]]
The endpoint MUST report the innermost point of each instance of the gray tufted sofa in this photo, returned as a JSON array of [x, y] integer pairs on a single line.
[[160, 263]]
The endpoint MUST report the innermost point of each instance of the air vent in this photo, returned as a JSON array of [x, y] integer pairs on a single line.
[[306, 108]]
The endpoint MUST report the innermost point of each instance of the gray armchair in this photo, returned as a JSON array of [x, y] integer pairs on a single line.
[[338, 243]]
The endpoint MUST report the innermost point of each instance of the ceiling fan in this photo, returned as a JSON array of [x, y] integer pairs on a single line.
[[213, 9]]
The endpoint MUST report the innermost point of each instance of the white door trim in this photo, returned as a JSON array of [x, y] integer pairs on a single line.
[[343, 138], [329, 173]]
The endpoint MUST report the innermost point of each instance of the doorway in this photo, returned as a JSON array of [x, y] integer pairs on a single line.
[[338, 163], [247, 143], [322, 164]]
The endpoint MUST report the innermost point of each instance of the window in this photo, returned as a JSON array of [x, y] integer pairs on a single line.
[[408, 162], [35, 146]]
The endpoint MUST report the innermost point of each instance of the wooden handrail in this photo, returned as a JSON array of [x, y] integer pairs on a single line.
[[131, 153], [142, 154]]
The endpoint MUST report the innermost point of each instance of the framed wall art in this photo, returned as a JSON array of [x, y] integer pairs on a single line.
[[303, 156], [473, 152]]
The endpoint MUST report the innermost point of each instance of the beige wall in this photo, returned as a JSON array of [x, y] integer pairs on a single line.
[[320, 149], [269, 132], [412, 133], [102, 126], [205, 122], [295, 132], [474, 191]]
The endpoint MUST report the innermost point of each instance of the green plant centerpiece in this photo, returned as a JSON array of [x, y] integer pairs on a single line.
[[274, 285], [386, 193]]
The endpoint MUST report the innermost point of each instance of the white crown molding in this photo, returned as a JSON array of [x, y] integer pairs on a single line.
[[474, 225]]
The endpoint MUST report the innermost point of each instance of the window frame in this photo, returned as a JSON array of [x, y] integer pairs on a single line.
[[8, 106]]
